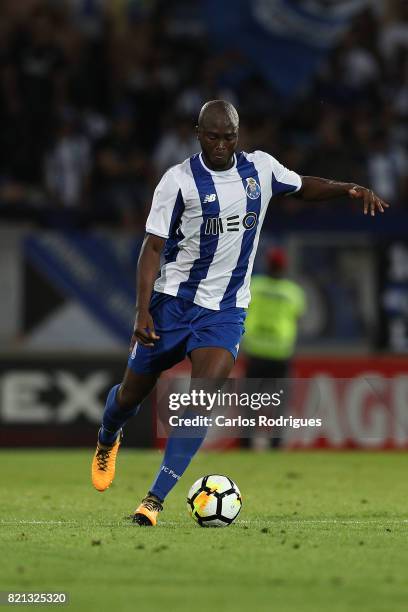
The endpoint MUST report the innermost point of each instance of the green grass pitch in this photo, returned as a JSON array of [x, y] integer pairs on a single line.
[[317, 532]]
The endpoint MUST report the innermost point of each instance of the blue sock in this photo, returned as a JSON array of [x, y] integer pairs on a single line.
[[177, 456], [114, 418]]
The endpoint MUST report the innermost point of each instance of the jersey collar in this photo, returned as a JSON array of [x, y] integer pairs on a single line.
[[234, 165]]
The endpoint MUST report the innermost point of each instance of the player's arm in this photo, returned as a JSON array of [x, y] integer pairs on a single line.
[[315, 188], [147, 269], [158, 227]]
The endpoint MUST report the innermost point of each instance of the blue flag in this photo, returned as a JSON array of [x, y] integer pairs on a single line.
[[88, 268], [284, 40]]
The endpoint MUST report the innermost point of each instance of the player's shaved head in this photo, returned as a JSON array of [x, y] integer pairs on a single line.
[[217, 132], [216, 111]]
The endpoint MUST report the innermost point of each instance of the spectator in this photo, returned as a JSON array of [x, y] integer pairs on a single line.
[[175, 145], [387, 166], [204, 87], [37, 80], [67, 163], [394, 35], [121, 173]]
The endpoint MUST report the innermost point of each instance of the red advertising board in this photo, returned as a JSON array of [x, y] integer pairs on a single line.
[[364, 399], [350, 366], [363, 402]]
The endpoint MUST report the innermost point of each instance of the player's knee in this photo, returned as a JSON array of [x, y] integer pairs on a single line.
[[127, 398]]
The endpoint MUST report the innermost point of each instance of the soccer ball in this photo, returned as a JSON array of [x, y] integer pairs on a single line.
[[214, 501]]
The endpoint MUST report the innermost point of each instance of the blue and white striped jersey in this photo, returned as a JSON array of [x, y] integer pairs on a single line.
[[212, 221]]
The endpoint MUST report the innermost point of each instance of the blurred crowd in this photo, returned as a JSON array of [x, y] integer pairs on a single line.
[[99, 97]]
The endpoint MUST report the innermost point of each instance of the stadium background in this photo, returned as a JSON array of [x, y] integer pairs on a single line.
[[98, 98]]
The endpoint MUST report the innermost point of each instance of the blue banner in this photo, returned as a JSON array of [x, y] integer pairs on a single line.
[[89, 269], [284, 40]]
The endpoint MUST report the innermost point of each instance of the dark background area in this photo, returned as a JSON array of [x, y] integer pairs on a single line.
[[98, 98]]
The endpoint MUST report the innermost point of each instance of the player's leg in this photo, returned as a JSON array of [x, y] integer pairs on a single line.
[[122, 403], [144, 366], [213, 364]]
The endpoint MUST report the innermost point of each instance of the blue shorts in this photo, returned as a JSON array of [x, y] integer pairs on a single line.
[[184, 326]]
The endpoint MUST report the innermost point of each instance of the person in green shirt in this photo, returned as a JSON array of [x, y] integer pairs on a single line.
[[272, 321], [271, 331]]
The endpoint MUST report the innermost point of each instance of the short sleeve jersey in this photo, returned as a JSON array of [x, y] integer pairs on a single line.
[[211, 221]]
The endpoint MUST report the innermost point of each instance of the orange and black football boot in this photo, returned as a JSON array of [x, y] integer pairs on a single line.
[[146, 514], [103, 464]]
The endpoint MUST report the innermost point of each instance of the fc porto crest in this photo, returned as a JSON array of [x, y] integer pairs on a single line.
[[252, 188]]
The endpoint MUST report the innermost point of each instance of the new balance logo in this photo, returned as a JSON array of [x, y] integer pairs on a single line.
[[211, 197]]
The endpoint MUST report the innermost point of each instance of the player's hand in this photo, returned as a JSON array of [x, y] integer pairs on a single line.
[[371, 201], [143, 330]]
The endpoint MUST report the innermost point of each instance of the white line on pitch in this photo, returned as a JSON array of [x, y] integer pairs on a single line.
[[252, 523]]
